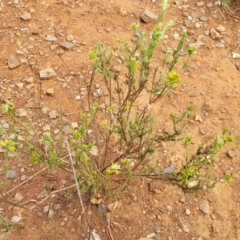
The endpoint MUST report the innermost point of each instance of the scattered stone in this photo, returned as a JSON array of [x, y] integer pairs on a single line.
[[231, 153], [39, 214], [183, 52], [50, 214], [202, 131], [235, 55], [101, 210], [23, 178], [13, 62], [203, 18], [220, 45], [78, 97], [25, 16], [94, 236], [151, 235], [47, 73], [11, 174], [21, 112], [46, 209], [185, 227], [187, 211], [19, 85], [198, 118], [215, 229], [50, 92], [221, 29], [18, 197], [197, 25], [169, 208], [16, 219], [70, 38], [214, 34], [72, 178], [169, 169], [148, 16], [94, 151], [108, 29], [67, 129], [204, 206], [43, 194], [99, 91], [51, 38], [192, 184], [67, 45]]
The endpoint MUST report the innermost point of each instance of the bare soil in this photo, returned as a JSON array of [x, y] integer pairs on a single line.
[[210, 84]]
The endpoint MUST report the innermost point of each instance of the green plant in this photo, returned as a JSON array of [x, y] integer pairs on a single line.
[[6, 224], [225, 3], [117, 134]]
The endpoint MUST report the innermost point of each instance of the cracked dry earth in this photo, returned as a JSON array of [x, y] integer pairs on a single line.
[[36, 35]]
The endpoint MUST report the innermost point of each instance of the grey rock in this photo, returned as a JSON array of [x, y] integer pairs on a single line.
[[16, 219], [72, 178], [231, 153], [94, 236], [192, 184], [11, 174], [47, 73], [51, 38], [221, 29], [67, 129], [148, 16], [214, 34], [51, 214], [204, 206], [39, 214], [151, 235], [183, 52], [185, 227], [23, 177], [101, 210], [25, 16], [21, 112], [70, 38], [67, 45], [203, 18], [220, 45], [169, 169], [187, 211], [13, 62], [42, 194], [46, 209]]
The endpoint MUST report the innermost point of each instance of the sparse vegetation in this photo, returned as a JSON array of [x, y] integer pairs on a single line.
[[122, 134]]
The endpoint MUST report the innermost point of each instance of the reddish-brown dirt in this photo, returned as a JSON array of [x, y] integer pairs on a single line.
[[211, 79]]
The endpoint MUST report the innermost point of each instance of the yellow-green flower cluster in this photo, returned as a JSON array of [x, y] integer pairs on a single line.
[[8, 145], [187, 173], [172, 79], [228, 178], [114, 168]]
